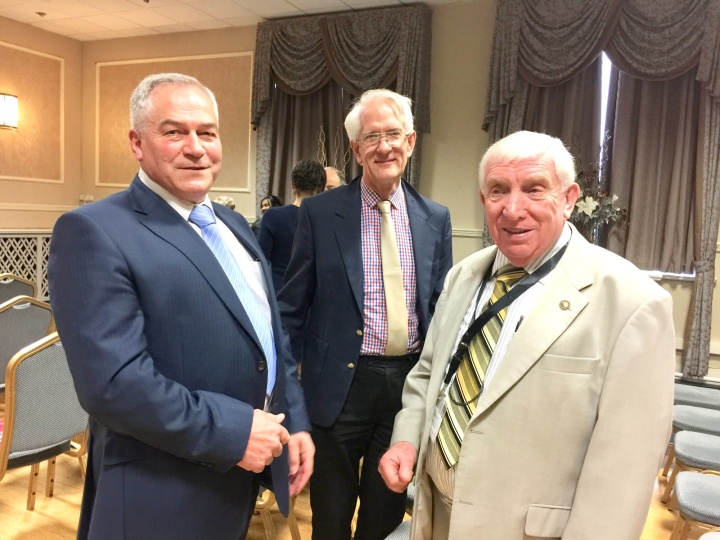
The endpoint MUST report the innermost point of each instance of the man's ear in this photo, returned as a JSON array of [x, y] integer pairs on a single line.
[[571, 196], [412, 138], [356, 150], [135, 144]]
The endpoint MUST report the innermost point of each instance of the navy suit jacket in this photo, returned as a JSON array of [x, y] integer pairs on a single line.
[[167, 364], [322, 300]]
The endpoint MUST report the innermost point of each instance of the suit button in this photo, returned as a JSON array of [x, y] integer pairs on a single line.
[[262, 365], [351, 365], [359, 332]]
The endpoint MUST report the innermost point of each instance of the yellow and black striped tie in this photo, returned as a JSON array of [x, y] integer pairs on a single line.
[[467, 385]]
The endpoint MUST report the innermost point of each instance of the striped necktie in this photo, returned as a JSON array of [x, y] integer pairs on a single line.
[[203, 217], [467, 385]]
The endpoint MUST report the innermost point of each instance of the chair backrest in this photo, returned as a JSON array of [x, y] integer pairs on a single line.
[[42, 411], [12, 286], [23, 320]]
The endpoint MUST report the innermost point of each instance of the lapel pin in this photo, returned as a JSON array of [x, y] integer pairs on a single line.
[[564, 305]]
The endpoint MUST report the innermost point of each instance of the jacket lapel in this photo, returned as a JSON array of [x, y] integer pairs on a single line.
[[423, 238], [160, 218], [560, 302], [347, 234]]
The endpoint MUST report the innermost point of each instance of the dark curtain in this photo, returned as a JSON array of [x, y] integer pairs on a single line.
[[545, 44], [336, 57]]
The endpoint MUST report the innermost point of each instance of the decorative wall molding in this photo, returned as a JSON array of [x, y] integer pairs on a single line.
[[25, 254], [20, 207], [39, 126], [466, 233], [230, 78]]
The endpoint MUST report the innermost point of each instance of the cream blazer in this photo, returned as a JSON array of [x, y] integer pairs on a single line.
[[567, 440]]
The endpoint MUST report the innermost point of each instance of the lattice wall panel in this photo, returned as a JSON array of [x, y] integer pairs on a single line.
[[26, 256]]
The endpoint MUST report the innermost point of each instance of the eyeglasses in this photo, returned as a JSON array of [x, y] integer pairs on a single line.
[[394, 138]]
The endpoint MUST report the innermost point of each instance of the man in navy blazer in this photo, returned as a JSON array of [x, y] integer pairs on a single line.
[[162, 350], [334, 307]]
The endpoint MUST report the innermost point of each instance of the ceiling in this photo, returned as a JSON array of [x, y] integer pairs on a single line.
[[89, 20]]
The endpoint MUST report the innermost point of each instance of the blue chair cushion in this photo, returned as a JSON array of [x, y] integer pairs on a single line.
[[402, 532], [686, 417], [699, 450], [698, 495], [697, 396]]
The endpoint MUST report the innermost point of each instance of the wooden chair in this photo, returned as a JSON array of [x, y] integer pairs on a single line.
[[698, 499], [263, 505], [12, 286], [42, 412]]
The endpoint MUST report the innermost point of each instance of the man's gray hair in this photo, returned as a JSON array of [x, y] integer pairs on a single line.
[[141, 102], [523, 145], [340, 174], [401, 104]]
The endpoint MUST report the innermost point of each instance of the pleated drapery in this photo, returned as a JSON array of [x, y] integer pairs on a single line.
[[380, 48], [543, 43]]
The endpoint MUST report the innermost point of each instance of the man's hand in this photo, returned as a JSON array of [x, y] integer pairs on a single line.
[[396, 466], [267, 437], [301, 453]]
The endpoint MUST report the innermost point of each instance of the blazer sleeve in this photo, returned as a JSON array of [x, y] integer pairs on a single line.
[[265, 238], [297, 294], [101, 324], [632, 428], [445, 262]]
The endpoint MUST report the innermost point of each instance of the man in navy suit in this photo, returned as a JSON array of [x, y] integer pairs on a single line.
[[354, 362], [186, 419]]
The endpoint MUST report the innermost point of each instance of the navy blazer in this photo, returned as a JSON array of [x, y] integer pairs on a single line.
[[322, 300], [167, 364]]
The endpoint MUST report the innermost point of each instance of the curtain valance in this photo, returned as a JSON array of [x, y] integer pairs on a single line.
[[548, 42], [360, 50]]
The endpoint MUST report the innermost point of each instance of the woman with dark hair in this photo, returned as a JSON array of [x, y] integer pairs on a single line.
[[278, 224], [266, 202]]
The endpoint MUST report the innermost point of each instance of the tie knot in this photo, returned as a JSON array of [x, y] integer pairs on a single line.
[[510, 274], [384, 207], [202, 216]]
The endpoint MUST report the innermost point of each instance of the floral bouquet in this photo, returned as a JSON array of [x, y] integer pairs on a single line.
[[595, 207]]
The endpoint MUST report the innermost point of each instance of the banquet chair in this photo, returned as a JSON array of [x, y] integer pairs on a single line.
[[693, 452], [698, 499], [687, 417], [12, 286], [23, 320], [263, 505], [42, 412]]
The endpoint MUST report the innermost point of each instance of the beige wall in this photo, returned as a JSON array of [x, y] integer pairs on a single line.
[[47, 62], [462, 37]]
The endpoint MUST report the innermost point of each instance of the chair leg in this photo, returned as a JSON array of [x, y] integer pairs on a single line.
[[268, 524], [83, 465], [670, 459], [679, 523], [50, 480], [292, 522], [670, 484], [32, 486]]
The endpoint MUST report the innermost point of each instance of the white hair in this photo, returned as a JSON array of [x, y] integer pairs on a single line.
[[401, 104], [523, 145], [141, 100]]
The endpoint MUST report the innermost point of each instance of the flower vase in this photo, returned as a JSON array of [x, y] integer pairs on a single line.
[[595, 231]]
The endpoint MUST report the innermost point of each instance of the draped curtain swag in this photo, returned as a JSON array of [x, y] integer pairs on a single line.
[[359, 51], [547, 42]]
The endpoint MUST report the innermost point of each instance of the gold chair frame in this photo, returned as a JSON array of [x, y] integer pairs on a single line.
[[13, 277], [263, 505], [5, 443]]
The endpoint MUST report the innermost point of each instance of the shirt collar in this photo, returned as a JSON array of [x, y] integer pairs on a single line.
[[370, 198], [501, 260], [181, 207]]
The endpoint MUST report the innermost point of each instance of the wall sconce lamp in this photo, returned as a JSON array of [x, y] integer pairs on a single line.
[[8, 111]]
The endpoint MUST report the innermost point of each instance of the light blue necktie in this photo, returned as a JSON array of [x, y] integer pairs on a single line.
[[203, 217]]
